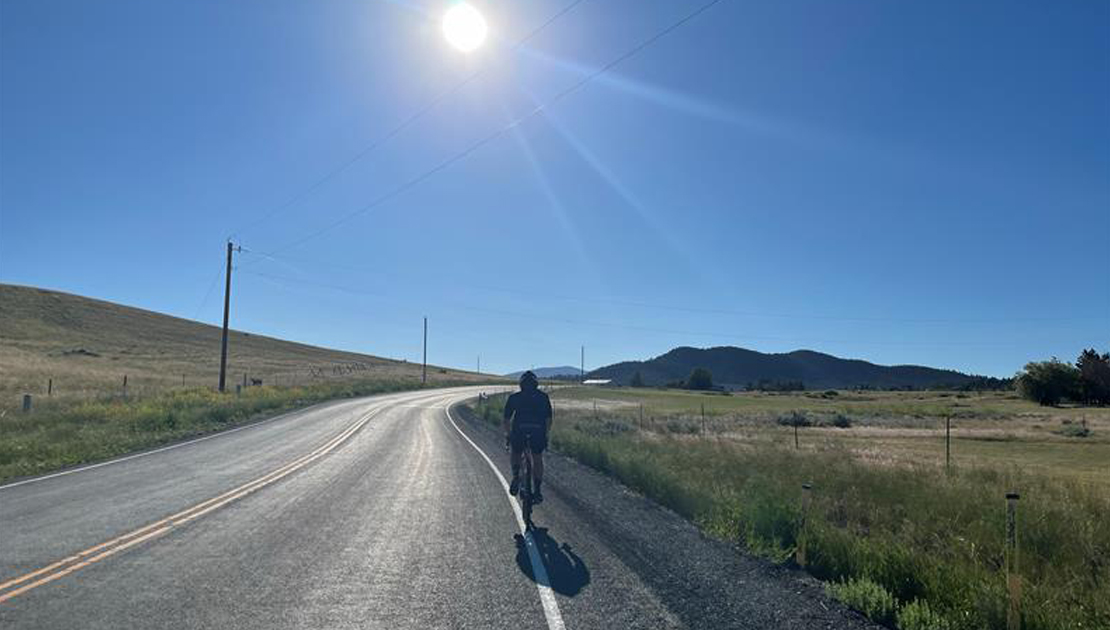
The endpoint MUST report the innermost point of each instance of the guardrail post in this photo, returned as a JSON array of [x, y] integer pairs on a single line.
[[1013, 579], [800, 548]]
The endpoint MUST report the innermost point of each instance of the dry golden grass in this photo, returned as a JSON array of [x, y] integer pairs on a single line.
[[992, 430], [87, 346]]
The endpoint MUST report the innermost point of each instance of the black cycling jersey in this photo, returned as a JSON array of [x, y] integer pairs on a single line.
[[528, 408]]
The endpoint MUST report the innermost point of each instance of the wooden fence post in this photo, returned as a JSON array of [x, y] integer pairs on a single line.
[[50, 387], [1013, 579], [947, 442], [800, 548]]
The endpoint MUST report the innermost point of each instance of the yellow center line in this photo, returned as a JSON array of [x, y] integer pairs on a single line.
[[89, 556]]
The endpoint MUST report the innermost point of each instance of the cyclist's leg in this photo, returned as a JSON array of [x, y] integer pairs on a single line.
[[516, 450], [538, 444]]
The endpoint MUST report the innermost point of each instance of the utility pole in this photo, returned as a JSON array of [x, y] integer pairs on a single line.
[[582, 369], [479, 364], [424, 372], [227, 307]]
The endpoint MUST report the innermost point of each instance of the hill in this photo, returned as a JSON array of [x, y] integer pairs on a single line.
[[736, 367], [87, 346], [550, 372]]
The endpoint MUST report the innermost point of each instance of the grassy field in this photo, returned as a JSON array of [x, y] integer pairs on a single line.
[[997, 430], [64, 433], [87, 346], [889, 529]]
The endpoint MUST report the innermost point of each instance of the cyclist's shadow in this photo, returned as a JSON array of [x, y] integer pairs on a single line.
[[566, 572]]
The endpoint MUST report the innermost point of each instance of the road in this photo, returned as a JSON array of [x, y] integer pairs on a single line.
[[382, 512]]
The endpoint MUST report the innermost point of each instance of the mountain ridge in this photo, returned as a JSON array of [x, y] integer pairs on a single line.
[[736, 368]]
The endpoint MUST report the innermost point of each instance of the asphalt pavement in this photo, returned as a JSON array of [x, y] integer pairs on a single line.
[[382, 512]]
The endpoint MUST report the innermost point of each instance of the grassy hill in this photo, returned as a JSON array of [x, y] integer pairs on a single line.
[[737, 367], [87, 346]]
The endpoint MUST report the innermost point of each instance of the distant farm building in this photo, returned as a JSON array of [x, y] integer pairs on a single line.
[[598, 381]]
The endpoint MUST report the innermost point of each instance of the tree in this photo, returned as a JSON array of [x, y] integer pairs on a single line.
[[700, 378], [1049, 382], [1094, 374], [637, 380]]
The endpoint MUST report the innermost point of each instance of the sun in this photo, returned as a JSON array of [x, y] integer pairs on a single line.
[[464, 27]]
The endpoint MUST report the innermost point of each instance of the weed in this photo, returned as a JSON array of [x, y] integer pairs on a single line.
[[866, 596], [917, 615]]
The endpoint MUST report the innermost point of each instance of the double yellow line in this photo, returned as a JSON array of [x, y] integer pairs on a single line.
[[19, 585]]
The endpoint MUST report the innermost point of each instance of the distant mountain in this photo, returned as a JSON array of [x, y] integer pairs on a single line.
[[736, 367], [550, 372]]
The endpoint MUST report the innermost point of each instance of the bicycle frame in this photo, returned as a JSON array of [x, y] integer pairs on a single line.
[[525, 492]]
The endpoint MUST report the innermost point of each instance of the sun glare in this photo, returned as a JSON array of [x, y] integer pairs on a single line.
[[464, 27]]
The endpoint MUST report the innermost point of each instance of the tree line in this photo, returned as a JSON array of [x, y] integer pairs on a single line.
[[1054, 381]]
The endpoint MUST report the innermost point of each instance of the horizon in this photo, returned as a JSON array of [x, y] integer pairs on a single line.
[[760, 176], [546, 367]]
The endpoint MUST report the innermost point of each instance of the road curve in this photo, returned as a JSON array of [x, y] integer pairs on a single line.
[[381, 512]]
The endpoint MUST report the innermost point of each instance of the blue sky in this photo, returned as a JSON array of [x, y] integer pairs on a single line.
[[900, 182]]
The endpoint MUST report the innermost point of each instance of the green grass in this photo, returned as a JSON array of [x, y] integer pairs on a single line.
[[66, 433], [931, 540]]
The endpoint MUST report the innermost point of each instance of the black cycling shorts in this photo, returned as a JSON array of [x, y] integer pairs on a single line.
[[536, 438]]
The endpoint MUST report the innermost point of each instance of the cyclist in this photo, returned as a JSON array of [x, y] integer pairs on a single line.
[[527, 414]]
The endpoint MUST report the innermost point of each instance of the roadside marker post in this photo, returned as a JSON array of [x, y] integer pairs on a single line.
[[1013, 579], [800, 549], [947, 443], [26, 403], [796, 423]]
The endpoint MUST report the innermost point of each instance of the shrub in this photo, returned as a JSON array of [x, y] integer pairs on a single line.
[[866, 596], [794, 419], [841, 421], [1075, 431], [917, 615]]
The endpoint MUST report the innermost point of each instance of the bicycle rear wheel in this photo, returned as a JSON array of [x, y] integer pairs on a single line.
[[526, 492]]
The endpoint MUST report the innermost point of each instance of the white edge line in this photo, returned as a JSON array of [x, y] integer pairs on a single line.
[[194, 440], [539, 571]]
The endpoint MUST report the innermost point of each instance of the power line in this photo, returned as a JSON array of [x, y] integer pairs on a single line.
[[405, 124], [575, 87], [724, 311], [208, 293], [650, 329]]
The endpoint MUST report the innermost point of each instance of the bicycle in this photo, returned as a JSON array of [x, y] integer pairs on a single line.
[[525, 494]]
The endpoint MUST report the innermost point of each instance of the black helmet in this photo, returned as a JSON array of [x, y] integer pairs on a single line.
[[528, 379]]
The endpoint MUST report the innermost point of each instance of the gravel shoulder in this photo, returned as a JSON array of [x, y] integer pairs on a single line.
[[649, 567]]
